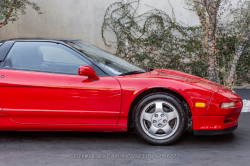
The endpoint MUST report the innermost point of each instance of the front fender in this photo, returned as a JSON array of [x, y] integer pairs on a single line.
[[134, 86]]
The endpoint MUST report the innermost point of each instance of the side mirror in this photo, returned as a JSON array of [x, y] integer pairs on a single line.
[[86, 70]]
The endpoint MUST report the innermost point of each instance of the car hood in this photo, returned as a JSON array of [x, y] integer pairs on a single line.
[[184, 77]]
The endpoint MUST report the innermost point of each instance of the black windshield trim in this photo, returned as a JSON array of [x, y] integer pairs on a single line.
[[131, 73]]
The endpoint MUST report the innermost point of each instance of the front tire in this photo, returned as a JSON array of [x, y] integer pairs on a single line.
[[160, 119]]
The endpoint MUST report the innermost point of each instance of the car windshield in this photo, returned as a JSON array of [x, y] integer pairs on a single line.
[[113, 63]]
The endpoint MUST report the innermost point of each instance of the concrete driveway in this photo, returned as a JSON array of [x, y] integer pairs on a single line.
[[85, 148]]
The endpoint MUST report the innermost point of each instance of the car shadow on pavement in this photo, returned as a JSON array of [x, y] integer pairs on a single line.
[[190, 138], [105, 137]]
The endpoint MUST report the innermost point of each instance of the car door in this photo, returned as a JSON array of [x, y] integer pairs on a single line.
[[40, 84]]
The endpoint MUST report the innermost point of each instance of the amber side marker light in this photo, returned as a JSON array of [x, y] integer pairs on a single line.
[[200, 104]]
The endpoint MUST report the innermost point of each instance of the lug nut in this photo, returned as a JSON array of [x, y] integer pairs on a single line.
[[159, 125], [162, 115], [156, 115], [154, 121], [164, 121]]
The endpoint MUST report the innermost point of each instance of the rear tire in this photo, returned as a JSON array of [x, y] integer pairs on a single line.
[[160, 119]]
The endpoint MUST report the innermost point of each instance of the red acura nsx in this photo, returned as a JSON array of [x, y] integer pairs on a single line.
[[69, 85]]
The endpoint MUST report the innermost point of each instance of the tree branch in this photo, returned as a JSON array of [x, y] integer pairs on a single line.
[[5, 22]]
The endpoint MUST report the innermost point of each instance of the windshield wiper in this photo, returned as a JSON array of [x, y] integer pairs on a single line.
[[132, 72], [148, 69]]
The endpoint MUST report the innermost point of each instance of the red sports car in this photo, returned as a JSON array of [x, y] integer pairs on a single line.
[[64, 84]]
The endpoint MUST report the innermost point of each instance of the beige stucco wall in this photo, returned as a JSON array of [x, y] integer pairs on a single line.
[[81, 19]]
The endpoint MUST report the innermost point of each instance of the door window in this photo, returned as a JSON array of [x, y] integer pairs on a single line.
[[46, 57]]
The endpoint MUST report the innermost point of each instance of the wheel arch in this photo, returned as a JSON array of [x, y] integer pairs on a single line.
[[152, 91]]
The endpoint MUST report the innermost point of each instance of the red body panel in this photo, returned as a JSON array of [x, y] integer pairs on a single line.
[[135, 84], [1, 111], [213, 122], [7, 124], [217, 117], [224, 95], [46, 101], [45, 98]]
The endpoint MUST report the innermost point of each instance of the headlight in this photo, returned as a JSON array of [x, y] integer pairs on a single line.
[[228, 105]]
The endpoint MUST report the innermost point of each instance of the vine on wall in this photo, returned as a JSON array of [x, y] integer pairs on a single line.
[[156, 40]]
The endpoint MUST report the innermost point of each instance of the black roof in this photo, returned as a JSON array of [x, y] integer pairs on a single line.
[[40, 39]]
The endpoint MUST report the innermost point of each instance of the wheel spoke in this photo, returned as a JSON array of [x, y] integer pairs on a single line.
[[171, 115], [152, 129], [167, 129], [158, 106], [147, 116]]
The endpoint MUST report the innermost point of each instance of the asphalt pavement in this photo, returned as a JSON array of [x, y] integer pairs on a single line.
[[23, 148], [244, 93]]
